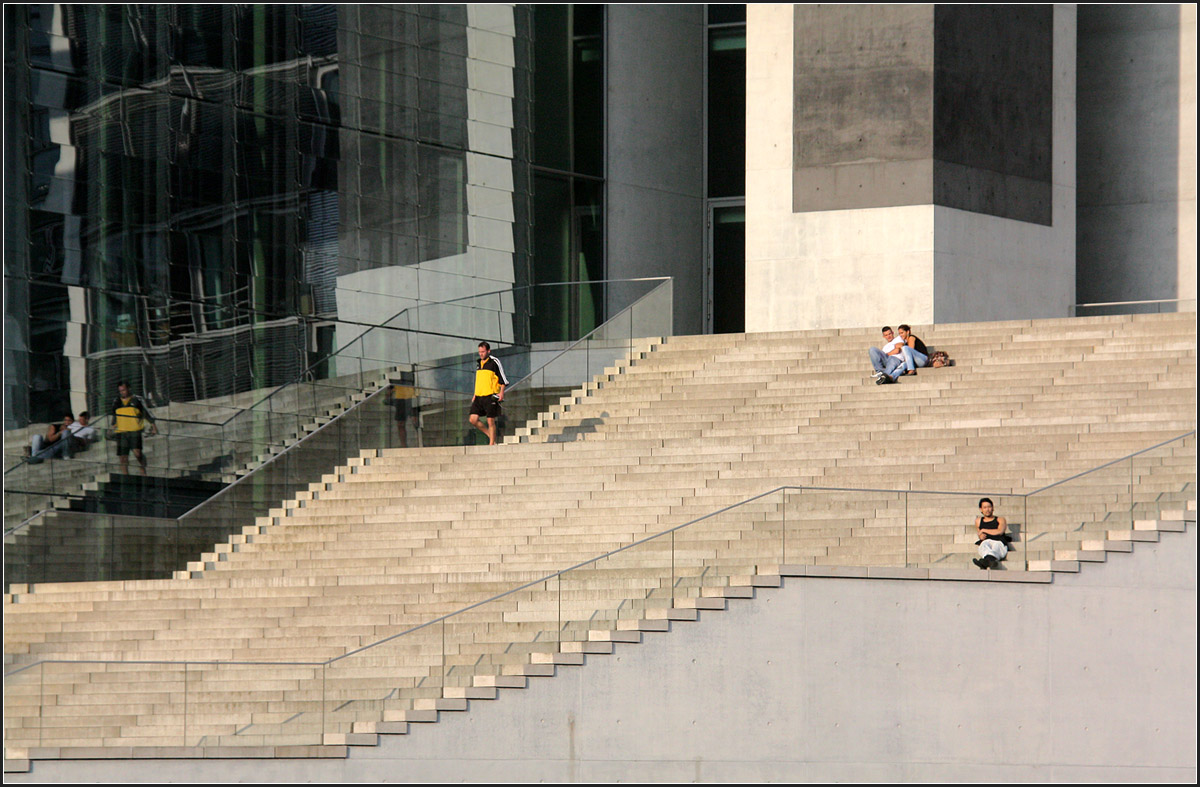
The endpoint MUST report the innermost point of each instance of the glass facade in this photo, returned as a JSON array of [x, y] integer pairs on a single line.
[[206, 200], [568, 164], [725, 175]]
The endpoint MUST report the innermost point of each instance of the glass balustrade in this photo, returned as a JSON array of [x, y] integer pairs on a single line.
[[260, 455], [409, 657]]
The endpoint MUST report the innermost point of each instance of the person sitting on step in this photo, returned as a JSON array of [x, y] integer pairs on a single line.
[[914, 351], [53, 444], [993, 536], [887, 361]]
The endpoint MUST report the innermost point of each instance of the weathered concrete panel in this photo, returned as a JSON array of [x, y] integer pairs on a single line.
[[1137, 143], [908, 105], [863, 103], [993, 110]]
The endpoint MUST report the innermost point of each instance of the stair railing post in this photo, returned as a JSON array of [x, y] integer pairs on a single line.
[[906, 529], [1131, 513], [672, 569], [1026, 529], [41, 699], [558, 632], [185, 704], [783, 526]]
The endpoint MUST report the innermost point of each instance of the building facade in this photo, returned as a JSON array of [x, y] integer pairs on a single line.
[[212, 199]]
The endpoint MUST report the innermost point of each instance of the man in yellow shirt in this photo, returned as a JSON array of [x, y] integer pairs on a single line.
[[490, 383], [404, 401], [129, 416]]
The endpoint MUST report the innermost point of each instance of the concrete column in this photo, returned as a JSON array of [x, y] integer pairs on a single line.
[[1137, 153], [654, 60], [908, 164]]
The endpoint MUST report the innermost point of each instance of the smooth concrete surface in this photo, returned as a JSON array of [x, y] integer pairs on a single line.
[[863, 113], [1137, 164], [993, 109], [990, 268], [819, 269], [913, 263], [655, 161], [1090, 678]]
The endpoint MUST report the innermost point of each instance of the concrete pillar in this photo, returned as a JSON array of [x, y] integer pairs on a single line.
[[1137, 153], [908, 163], [655, 163]]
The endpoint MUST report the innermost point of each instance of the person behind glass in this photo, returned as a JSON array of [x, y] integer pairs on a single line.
[[993, 536], [403, 398], [490, 383], [54, 444], [129, 417], [887, 361], [83, 434], [913, 350]]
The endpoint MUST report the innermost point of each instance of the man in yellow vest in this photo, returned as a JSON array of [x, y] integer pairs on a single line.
[[129, 416], [490, 383], [403, 400]]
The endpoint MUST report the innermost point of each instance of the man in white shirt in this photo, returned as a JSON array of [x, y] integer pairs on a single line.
[[888, 362], [81, 433]]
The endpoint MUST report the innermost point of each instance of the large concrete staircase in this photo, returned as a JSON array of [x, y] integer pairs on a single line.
[[705, 430]]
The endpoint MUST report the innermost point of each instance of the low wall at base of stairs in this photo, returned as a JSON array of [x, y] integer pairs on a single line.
[[1089, 678]]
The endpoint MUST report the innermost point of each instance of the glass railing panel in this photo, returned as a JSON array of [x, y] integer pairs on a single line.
[[652, 314], [555, 379], [845, 527], [253, 704], [719, 554], [443, 419], [501, 637], [615, 596], [1079, 514], [112, 692], [1164, 480], [319, 451], [390, 682]]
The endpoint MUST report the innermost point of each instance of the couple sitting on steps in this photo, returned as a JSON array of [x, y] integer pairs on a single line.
[[900, 355]]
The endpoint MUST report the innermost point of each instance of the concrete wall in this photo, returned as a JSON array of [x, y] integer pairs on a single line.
[[990, 268], [1089, 678], [1137, 163], [863, 114], [655, 159], [870, 264], [993, 105]]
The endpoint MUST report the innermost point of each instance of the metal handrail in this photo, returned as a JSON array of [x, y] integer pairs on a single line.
[[596, 559], [1183, 436], [400, 313], [604, 324], [241, 411], [1073, 310], [356, 405]]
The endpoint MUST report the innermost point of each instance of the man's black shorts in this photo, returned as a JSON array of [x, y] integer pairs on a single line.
[[488, 406], [127, 441]]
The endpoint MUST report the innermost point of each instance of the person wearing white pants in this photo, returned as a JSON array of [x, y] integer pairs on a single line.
[[991, 529]]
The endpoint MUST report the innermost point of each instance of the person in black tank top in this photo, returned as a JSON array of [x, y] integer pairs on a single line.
[[915, 353], [993, 539]]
